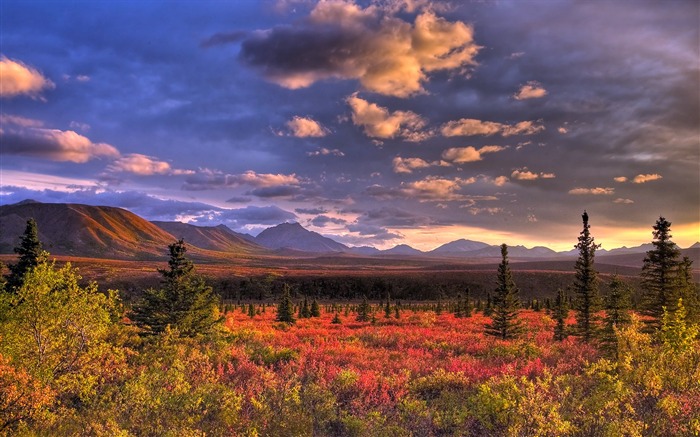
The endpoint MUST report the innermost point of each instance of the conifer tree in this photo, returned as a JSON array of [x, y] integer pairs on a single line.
[[183, 302], [467, 305], [387, 308], [251, 310], [660, 275], [617, 312], [397, 312], [586, 283], [315, 309], [505, 323], [458, 307], [285, 309], [560, 312], [30, 255], [305, 312], [363, 311], [336, 319], [488, 309], [438, 307], [690, 290]]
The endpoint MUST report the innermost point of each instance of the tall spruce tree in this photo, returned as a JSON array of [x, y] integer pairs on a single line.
[[505, 323], [30, 255], [285, 309], [660, 275], [363, 311], [315, 309], [586, 283], [560, 313], [183, 302]]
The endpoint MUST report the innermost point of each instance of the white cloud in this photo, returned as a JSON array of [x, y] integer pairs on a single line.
[[470, 127], [386, 54], [303, 127], [17, 120], [523, 174], [144, 166], [407, 165], [53, 144], [500, 181], [623, 201], [620, 179], [206, 179], [531, 90], [20, 79], [378, 122], [598, 191], [461, 155], [642, 178], [325, 152]]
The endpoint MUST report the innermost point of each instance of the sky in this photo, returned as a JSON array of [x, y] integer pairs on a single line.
[[373, 122]]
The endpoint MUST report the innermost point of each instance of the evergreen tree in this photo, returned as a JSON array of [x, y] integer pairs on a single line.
[[560, 312], [617, 311], [30, 255], [505, 323], [251, 310], [458, 307], [285, 309], [397, 313], [387, 308], [438, 307], [315, 309], [336, 319], [660, 275], [183, 302], [586, 283], [488, 310], [363, 311], [689, 290], [467, 305], [305, 312]]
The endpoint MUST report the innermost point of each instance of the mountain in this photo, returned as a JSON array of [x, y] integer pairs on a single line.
[[402, 249], [294, 236], [219, 238], [83, 230], [459, 247], [364, 250]]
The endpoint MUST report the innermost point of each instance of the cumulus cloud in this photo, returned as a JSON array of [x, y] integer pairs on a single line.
[[210, 179], [523, 174], [407, 165], [379, 122], [53, 144], [500, 181], [343, 40], [642, 178], [430, 189], [18, 78], [303, 127], [17, 120], [620, 179], [623, 201], [460, 155], [325, 152], [470, 127], [598, 191], [322, 220], [143, 165], [531, 90]]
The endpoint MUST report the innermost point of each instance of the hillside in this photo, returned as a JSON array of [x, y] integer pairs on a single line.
[[294, 236], [218, 238], [83, 230]]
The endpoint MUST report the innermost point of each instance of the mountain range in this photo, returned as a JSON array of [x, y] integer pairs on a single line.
[[109, 232]]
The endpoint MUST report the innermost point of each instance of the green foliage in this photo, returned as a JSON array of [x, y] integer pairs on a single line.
[[184, 302], [30, 255], [251, 310], [660, 274], [587, 301], [315, 309], [285, 309], [677, 333], [560, 312], [336, 319], [363, 311], [617, 312], [505, 323]]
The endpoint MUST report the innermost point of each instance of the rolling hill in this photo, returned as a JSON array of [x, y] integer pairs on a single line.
[[294, 236], [218, 238]]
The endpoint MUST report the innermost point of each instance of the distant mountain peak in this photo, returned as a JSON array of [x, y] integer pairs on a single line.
[[292, 235]]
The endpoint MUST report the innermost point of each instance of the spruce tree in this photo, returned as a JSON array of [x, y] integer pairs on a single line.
[[251, 310], [363, 311], [30, 255], [387, 308], [617, 312], [467, 305], [488, 309], [336, 319], [458, 307], [660, 275], [305, 312], [183, 302], [505, 323], [586, 283], [285, 309], [315, 309], [560, 312]]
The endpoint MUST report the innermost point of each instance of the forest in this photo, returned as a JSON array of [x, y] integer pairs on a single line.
[[179, 361]]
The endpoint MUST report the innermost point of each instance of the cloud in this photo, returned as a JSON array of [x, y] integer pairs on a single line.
[[430, 189], [322, 220], [17, 120], [407, 165], [531, 90], [143, 165], [342, 40], [304, 127], [311, 211], [378, 122], [500, 181], [18, 78], [642, 178], [598, 191], [470, 127], [623, 201], [211, 179], [53, 144], [461, 155], [620, 179], [325, 152], [523, 174]]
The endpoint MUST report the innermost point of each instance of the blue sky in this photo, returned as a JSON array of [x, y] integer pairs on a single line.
[[377, 123]]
